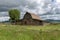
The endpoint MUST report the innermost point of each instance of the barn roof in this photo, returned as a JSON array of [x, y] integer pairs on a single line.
[[34, 16]]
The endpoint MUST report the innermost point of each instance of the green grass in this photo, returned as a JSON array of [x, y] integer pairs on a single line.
[[23, 32]]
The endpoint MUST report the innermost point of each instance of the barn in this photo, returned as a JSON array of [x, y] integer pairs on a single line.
[[31, 19]]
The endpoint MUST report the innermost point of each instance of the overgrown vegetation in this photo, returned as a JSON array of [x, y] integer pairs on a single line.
[[20, 32]]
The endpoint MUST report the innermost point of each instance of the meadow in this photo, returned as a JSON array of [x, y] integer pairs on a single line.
[[29, 32]]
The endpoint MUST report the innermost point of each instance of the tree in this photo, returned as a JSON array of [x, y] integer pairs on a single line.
[[14, 15]]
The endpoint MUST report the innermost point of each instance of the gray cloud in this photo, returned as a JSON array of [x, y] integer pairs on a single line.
[[40, 7], [8, 4], [43, 7]]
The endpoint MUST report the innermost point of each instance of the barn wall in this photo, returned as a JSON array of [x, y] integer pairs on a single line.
[[30, 22], [37, 22]]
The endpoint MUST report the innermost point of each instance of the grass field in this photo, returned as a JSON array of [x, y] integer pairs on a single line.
[[23, 32]]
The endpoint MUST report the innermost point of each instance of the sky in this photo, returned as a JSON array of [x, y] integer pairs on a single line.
[[46, 9]]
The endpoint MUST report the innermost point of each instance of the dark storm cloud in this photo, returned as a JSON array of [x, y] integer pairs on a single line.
[[8, 4]]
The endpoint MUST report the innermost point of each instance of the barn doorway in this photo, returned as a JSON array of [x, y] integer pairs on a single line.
[[25, 22]]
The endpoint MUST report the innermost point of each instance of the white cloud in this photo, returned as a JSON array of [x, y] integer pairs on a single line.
[[4, 19], [58, 1]]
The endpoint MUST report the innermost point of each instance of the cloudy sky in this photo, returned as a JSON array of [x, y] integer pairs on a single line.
[[46, 9]]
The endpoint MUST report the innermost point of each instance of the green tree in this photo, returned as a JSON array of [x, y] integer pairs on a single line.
[[14, 15]]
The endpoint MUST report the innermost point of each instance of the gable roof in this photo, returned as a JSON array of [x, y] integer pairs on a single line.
[[34, 16]]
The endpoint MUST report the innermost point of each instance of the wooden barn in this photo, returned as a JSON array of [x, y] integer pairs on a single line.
[[31, 19]]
